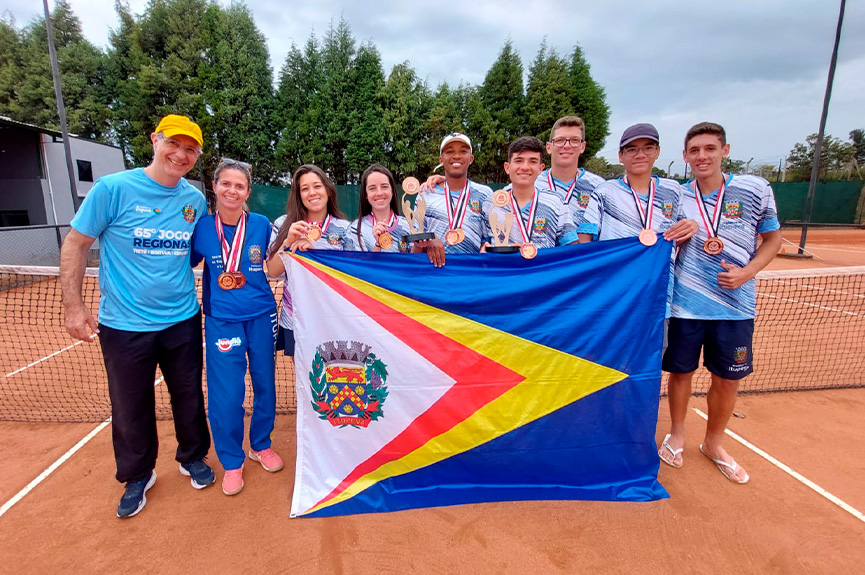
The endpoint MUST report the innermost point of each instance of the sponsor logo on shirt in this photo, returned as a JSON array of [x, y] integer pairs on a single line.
[[668, 210], [225, 344], [475, 206], [188, 212], [584, 199], [334, 239], [147, 210], [732, 210], [540, 225], [254, 254]]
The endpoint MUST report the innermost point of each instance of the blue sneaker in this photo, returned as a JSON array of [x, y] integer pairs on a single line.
[[200, 473], [133, 499]]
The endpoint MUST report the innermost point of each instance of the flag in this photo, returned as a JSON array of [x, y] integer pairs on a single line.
[[493, 378]]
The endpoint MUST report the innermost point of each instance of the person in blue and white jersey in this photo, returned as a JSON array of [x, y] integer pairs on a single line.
[[570, 182], [714, 300], [377, 228], [148, 311], [454, 204], [539, 216], [638, 204], [240, 322], [312, 220]]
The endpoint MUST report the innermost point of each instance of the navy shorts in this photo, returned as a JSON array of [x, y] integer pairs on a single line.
[[285, 341], [726, 346]]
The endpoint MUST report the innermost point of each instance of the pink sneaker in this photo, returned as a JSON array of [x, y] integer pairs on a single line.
[[232, 482], [268, 459]]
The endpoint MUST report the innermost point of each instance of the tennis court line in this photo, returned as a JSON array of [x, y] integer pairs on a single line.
[[787, 469], [47, 357], [809, 286], [53, 467], [810, 304]]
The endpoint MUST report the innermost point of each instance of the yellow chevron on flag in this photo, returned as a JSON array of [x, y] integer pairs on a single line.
[[545, 380]]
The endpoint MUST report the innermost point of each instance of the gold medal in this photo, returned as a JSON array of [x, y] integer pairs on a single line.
[[528, 250], [713, 246], [500, 198], [385, 241], [410, 185], [314, 233], [455, 236], [225, 281], [648, 237]]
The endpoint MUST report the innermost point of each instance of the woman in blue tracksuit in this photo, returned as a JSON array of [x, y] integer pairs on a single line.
[[240, 321]]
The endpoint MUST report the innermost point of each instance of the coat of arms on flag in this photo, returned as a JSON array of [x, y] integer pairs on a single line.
[[489, 379]]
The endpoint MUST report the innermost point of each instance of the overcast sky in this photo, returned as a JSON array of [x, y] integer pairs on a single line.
[[758, 68]]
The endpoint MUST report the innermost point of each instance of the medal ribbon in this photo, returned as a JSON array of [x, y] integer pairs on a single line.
[[391, 222], [323, 225], [457, 214], [526, 227], [711, 227], [645, 214], [573, 185], [231, 254]]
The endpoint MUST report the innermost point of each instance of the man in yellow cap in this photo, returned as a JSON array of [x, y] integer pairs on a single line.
[[148, 311]]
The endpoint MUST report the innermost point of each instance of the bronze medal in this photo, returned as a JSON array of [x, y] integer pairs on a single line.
[[385, 241], [528, 250], [314, 234], [225, 281], [454, 236], [239, 279], [648, 237], [713, 246]]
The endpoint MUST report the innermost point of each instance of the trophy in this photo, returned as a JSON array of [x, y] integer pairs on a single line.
[[501, 224], [414, 214]]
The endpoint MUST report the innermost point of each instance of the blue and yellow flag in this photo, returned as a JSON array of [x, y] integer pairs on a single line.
[[493, 378]]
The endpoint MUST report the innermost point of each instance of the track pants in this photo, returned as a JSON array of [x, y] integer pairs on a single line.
[[228, 343], [131, 358]]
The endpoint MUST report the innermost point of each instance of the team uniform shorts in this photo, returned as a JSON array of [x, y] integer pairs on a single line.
[[726, 346]]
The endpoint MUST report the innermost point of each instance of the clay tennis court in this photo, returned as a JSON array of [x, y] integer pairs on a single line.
[[775, 524]]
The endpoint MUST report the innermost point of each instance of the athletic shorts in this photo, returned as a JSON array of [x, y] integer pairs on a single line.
[[285, 341], [726, 346]]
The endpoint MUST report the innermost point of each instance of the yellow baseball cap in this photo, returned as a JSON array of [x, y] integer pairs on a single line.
[[173, 125]]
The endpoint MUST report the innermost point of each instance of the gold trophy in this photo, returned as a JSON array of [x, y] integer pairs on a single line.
[[414, 214], [501, 224]]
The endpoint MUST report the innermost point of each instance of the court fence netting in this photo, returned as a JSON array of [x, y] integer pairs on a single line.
[[809, 334]]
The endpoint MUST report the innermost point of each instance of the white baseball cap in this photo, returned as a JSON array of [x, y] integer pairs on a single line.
[[456, 136]]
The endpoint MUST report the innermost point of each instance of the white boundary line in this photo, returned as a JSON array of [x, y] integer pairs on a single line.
[[799, 477], [38, 361], [809, 304], [53, 467]]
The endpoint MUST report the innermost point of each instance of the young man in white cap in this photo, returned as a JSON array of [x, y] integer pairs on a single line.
[[148, 311], [565, 178], [714, 298], [454, 207]]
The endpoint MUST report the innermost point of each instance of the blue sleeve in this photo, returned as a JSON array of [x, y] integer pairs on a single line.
[[96, 212], [195, 256]]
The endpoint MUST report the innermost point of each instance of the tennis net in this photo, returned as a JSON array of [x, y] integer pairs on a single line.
[[810, 334]]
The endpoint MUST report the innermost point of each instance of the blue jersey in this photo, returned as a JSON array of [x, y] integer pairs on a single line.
[[333, 237], [550, 226], [397, 231], [436, 220], [144, 231], [612, 213], [748, 210], [255, 298], [575, 194]]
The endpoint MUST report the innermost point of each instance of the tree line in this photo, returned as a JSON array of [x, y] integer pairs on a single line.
[[332, 105]]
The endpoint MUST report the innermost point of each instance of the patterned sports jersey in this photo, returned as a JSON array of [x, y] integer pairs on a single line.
[[397, 232], [436, 220], [551, 225], [612, 213], [748, 210], [332, 238], [586, 182]]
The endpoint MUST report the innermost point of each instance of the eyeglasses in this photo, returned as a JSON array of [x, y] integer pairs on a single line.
[[231, 163], [176, 146], [631, 151], [560, 142]]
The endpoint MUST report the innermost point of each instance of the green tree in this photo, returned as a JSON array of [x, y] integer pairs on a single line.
[[366, 133], [857, 137], [834, 158], [502, 96], [10, 70], [406, 102], [550, 92], [337, 57], [588, 101], [606, 170], [733, 166]]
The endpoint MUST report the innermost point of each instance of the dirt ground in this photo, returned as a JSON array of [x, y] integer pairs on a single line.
[[775, 524]]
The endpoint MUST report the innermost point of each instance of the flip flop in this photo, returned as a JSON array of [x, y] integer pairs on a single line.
[[674, 452], [728, 469]]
